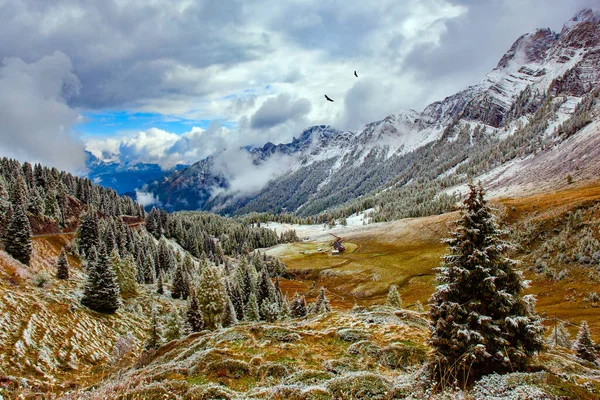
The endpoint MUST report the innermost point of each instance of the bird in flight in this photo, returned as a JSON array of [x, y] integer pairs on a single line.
[[355, 74], [327, 97]]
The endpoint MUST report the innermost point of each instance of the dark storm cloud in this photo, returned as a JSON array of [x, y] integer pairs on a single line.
[[277, 110]]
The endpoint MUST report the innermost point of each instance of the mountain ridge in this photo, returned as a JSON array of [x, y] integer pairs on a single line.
[[539, 65]]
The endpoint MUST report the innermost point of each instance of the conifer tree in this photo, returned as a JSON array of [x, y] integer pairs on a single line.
[[194, 321], [269, 310], [148, 269], [285, 308], [181, 283], [89, 232], [212, 297], [236, 299], [251, 311], [159, 285], [62, 266], [393, 297], [18, 193], [154, 338], [229, 317], [478, 318], [584, 346], [126, 274], [17, 238], [101, 291], [322, 303], [298, 306]]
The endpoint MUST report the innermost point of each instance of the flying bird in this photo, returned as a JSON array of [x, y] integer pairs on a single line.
[[355, 74], [327, 97]]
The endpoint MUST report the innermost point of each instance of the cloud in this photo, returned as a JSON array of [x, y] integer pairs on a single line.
[[262, 69], [157, 146], [36, 120], [244, 176], [145, 198], [277, 110]]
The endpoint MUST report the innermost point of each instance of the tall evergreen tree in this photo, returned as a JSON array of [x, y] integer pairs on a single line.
[[18, 193], [251, 311], [181, 283], [159, 285], [194, 320], [321, 305], [393, 297], [298, 307], [154, 338], [17, 238], [89, 232], [478, 318], [62, 266], [212, 297], [101, 291], [229, 317], [584, 346]]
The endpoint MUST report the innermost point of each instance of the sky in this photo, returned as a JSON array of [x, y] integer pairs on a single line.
[[173, 81]]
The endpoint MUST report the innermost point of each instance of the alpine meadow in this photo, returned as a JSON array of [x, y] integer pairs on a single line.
[[235, 200]]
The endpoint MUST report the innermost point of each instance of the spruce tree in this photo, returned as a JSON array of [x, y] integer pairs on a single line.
[[298, 306], [17, 238], [393, 297], [321, 305], [229, 317], [89, 232], [212, 297], [62, 266], [181, 283], [159, 285], [154, 338], [285, 308], [194, 321], [251, 311], [584, 346], [479, 321], [101, 291], [269, 310]]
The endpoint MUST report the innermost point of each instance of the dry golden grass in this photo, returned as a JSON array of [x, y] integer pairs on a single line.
[[406, 252]]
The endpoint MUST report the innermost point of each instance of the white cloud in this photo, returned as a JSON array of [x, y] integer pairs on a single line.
[[35, 119], [145, 198]]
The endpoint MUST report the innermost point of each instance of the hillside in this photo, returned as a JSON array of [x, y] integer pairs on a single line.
[[526, 114]]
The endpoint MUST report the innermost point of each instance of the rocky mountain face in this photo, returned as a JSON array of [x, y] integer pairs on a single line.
[[328, 167]]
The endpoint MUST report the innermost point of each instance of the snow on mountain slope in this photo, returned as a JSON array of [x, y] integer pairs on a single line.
[[328, 166]]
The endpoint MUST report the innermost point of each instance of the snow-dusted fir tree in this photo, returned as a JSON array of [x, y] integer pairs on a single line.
[[229, 317], [269, 310], [62, 266], [479, 321], [89, 232], [251, 311], [154, 339], [101, 291], [159, 285], [181, 283], [393, 297], [212, 297], [298, 307], [193, 316], [321, 305], [17, 238], [584, 346]]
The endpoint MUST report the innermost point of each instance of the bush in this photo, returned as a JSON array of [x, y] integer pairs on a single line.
[[309, 377], [210, 392], [282, 335], [272, 369], [352, 335], [360, 385], [399, 355], [40, 279], [364, 348], [229, 368]]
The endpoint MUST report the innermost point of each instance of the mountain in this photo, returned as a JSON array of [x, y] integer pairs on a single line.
[[409, 162], [124, 177]]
